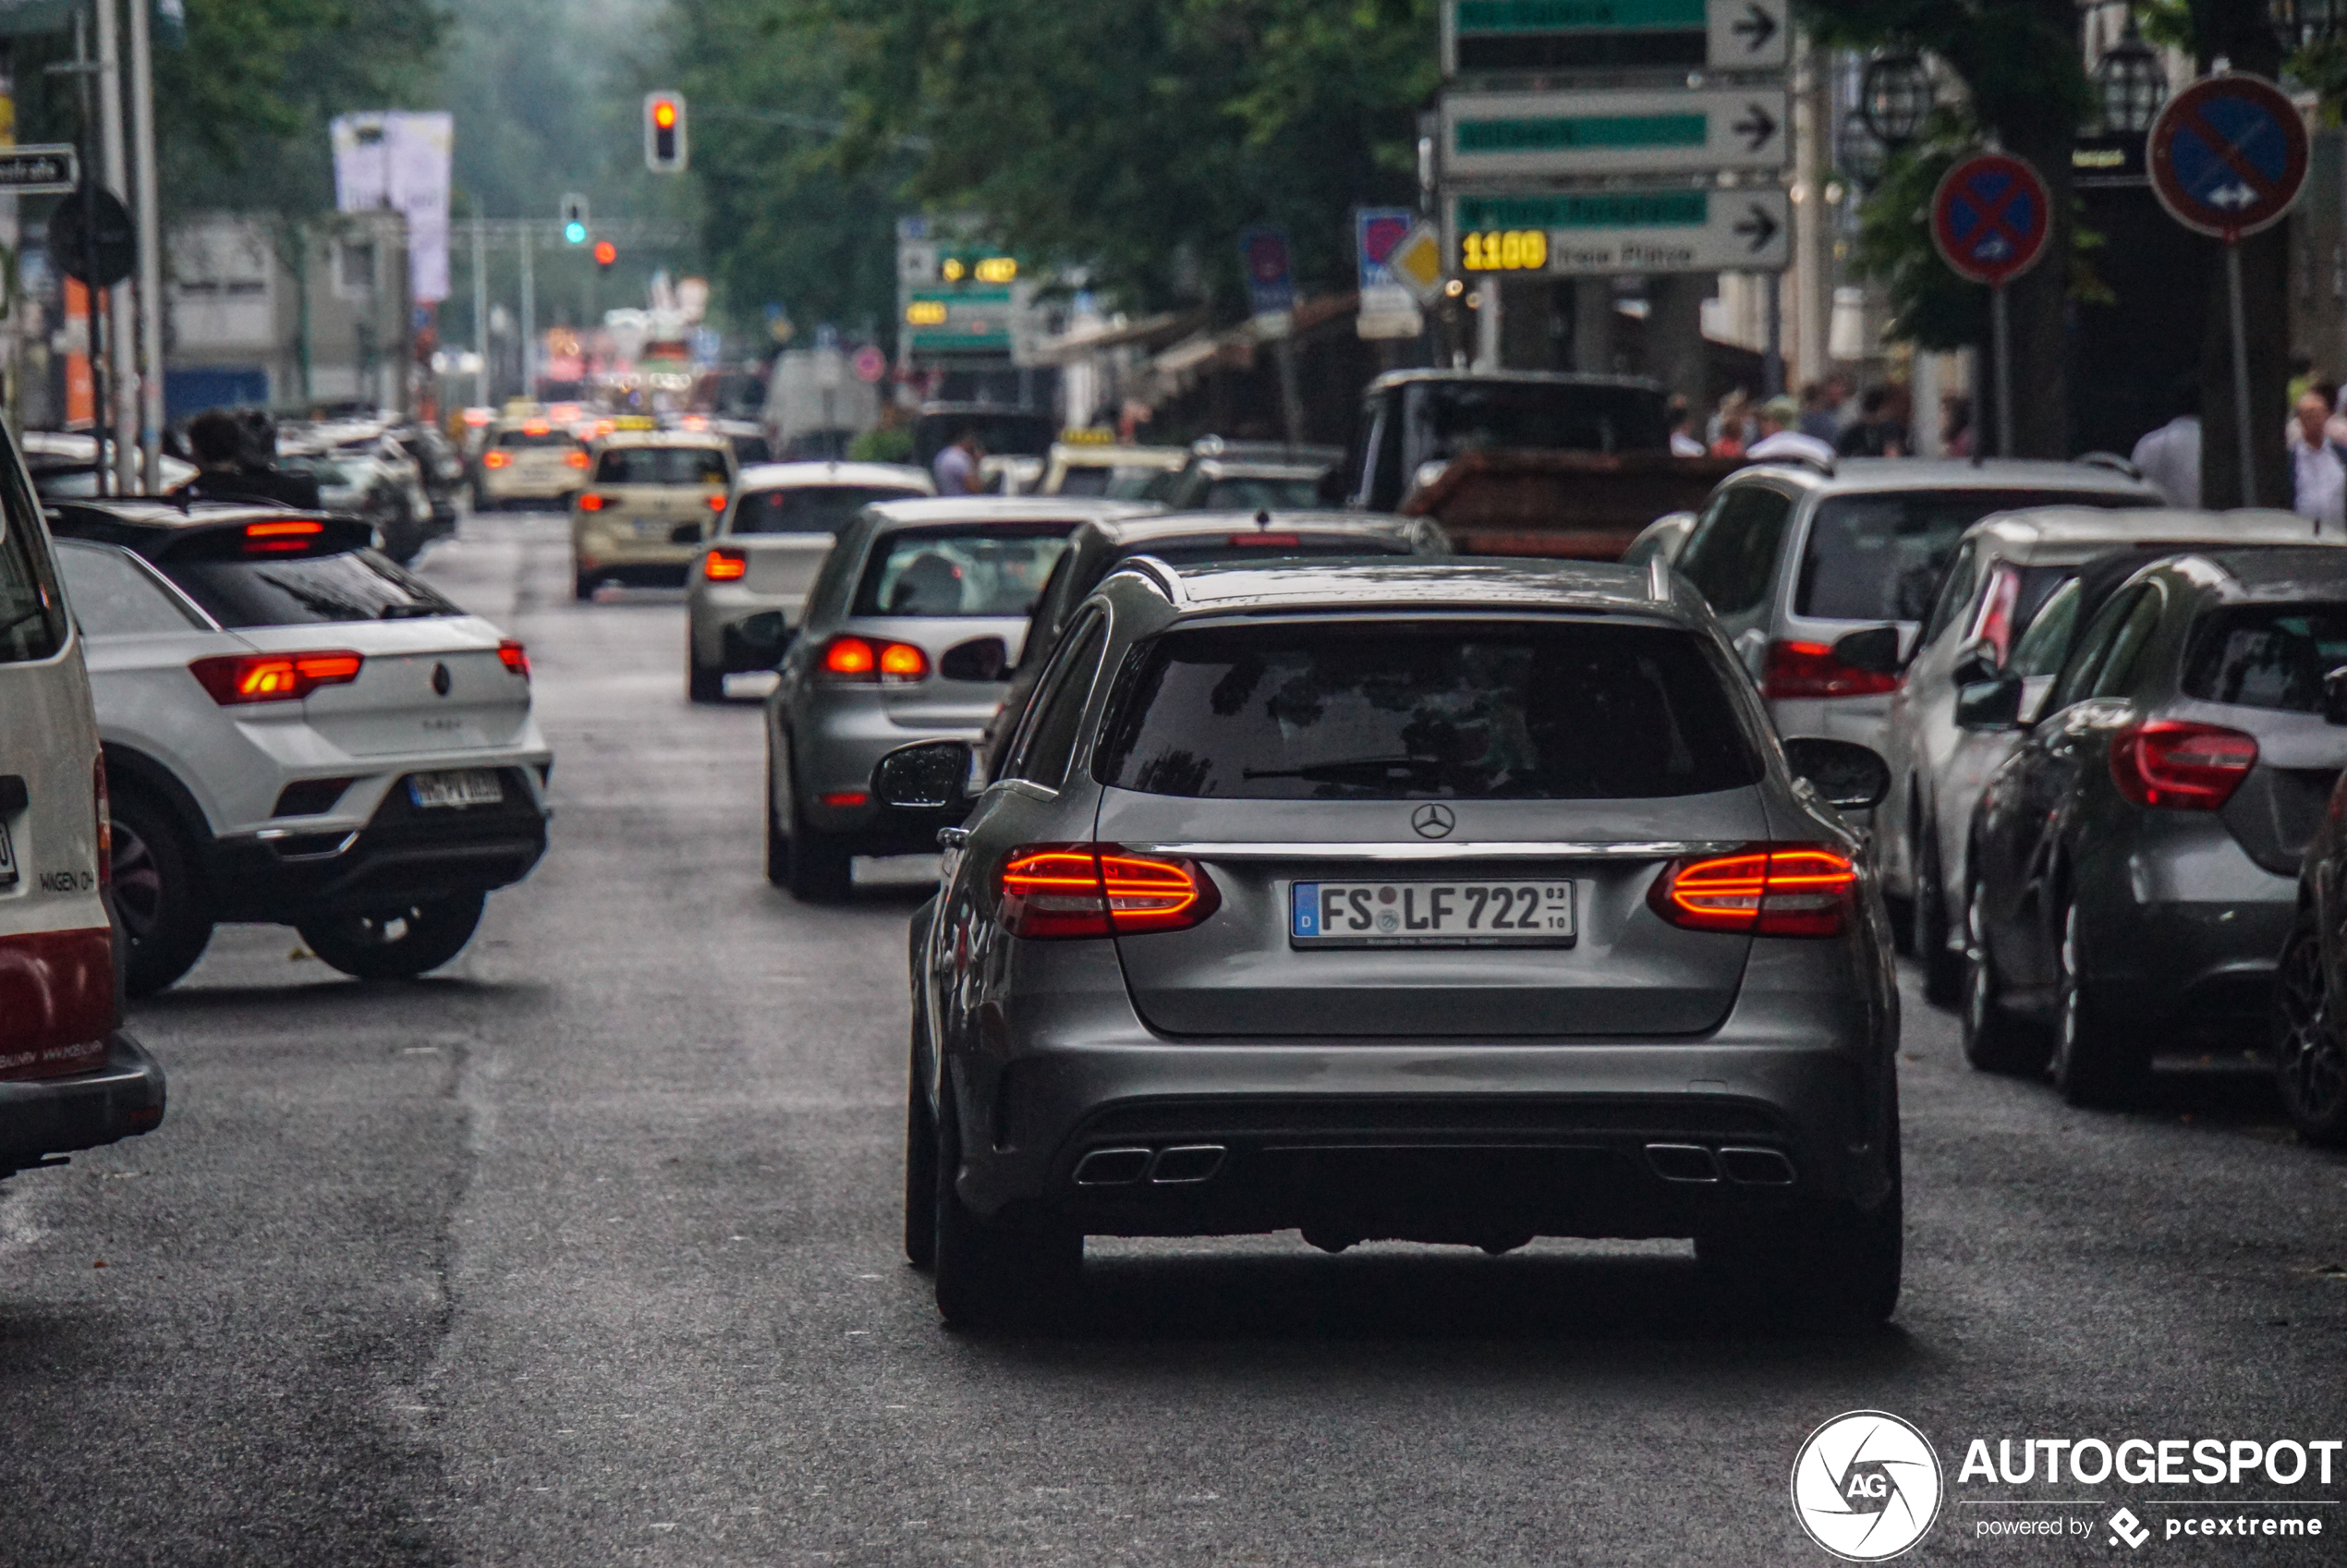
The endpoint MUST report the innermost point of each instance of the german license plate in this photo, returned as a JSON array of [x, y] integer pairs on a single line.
[[467, 786], [1449, 914], [7, 858]]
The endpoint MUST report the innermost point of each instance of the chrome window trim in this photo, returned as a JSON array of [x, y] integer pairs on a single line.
[[1507, 849]]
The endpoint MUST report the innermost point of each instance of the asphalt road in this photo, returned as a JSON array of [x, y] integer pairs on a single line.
[[585, 1251]]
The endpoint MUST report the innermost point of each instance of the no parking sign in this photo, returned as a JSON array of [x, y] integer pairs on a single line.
[[2227, 156], [1990, 217]]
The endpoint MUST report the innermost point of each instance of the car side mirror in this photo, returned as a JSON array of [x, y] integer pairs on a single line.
[[1989, 705], [764, 636], [1875, 649], [979, 658], [1978, 664], [685, 533], [2335, 697], [928, 775], [1851, 777]]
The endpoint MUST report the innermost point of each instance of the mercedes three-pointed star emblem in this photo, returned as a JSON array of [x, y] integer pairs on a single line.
[[1433, 820]]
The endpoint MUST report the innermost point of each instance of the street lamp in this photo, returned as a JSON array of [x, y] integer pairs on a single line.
[[2131, 84], [1895, 98]]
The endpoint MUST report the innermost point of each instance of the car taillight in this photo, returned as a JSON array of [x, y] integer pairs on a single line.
[[574, 459], [106, 819], [1810, 669], [726, 566], [1762, 890], [717, 503], [234, 678], [282, 536], [856, 659], [2181, 765], [513, 656], [589, 501], [496, 460], [1274, 540], [1053, 892]]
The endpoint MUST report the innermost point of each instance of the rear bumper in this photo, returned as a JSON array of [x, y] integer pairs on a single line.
[[403, 853], [44, 1116], [2183, 929]]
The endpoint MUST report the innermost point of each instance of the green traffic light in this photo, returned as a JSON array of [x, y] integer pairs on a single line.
[[576, 232]]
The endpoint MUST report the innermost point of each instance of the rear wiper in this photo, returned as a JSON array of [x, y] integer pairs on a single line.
[[1353, 767], [406, 612]]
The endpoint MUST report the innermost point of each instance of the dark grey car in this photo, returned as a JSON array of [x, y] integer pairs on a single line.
[[2133, 869], [1446, 902]]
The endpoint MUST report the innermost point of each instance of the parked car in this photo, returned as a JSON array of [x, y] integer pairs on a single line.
[[296, 731], [2006, 568], [1454, 901], [2132, 875], [1189, 540], [440, 466], [1116, 471], [64, 464], [746, 593], [361, 481], [910, 629], [1243, 485], [531, 461], [651, 498], [1796, 560], [71, 1077]]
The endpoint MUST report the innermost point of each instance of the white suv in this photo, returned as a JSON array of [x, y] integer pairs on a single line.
[[70, 1076], [296, 731]]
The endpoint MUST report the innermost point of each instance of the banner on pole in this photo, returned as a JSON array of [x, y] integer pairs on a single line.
[[400, 160]]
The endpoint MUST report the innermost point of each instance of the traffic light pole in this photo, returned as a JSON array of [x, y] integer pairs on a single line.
[[481, 310], [529, 320], [142, 121], [122, 326]]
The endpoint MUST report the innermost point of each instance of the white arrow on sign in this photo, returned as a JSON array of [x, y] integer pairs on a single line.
[[1610, 233], [1518, 38], [1633, 131]]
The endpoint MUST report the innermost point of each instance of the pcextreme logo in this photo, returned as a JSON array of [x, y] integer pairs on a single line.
[[1866, 1486]]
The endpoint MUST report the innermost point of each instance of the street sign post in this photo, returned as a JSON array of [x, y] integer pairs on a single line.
[[2227, 157], [1608, 233], [1615, 131], [47, 170], [1503, 37], [1388, 307], [1990, 219]]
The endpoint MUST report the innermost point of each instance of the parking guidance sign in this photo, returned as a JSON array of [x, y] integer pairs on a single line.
[[2227, 156]]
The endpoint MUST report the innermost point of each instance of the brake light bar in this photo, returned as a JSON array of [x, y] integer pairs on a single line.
[[287, 526], [1062, 892], [1280, 541], [233, 679], [2180, 766], [1802, 890], [850, 658], [513, 656], [1810, 669]]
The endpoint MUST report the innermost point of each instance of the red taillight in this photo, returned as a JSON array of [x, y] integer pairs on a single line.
[[726, 566], [496, 460], [1764, 890], [843, 799], [589, 501], [234, 678], [576, 459], [513, 656], [2185, 767], [279, 530], [717, 502], [1278, 540], [856, 659], [1810, 669], [1051, 892], [106, 819]]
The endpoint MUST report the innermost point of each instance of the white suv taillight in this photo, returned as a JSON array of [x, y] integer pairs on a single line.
[[236, 678]]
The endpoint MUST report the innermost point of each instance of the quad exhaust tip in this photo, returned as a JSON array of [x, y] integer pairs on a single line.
[[1180, 1165], [1746, 1167], [1683, 1162]]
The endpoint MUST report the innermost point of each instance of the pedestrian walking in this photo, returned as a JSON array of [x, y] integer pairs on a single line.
[[2170, 456], [956, 467], [1781, 440], [1683, 442], [1731, 429], [2318, 465], [1876, 432]]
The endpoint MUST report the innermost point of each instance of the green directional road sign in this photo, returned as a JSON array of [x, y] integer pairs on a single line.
[[1503, 37], [1609, 233], [1547, 134]]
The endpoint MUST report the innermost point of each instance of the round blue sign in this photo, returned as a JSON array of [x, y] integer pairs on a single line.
[[2227, 156], [1990, 217]]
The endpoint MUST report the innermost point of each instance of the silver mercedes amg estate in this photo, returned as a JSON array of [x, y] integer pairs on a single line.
[[1435, 901]]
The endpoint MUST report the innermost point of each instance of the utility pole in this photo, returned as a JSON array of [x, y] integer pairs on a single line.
[[529, 320], [142, 125], [480, 307], [123, 326]]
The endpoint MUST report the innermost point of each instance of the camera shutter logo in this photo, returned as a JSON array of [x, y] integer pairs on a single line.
[[1866, 1486]]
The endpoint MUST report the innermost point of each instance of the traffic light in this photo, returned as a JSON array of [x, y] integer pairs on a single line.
[[605, 255], [664, 132], [574, 220]]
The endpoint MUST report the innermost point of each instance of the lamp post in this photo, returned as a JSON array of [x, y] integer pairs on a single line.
[[1895, 98], [2130, 85]]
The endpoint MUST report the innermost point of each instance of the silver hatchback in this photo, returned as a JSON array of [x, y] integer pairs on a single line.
[[909, 632], [1442, 902]]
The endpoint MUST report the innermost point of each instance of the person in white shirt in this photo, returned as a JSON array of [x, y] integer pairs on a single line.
[[1778, 439], [2170, 456], [1683, 441], [2318, 473], [956, 467]]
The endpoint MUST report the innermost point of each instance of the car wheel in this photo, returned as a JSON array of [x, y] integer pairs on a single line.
[[1943, 972], [2092, 1063], [1994, 1041], [2310, 1062], [399, 944], [701, 683], [920, 1165], [999, 1275], [820, 867], [166, 914]]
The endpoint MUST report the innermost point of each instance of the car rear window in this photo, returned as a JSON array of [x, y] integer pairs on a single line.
[[352, 585], [1257, 494], [2267, 655], [809, 508], [997, 570], [511, 439], [1381, 710], [661, 465], [1244, 550], [1880, 557]]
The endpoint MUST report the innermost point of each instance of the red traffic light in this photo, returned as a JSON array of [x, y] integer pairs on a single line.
[[606, 252]]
